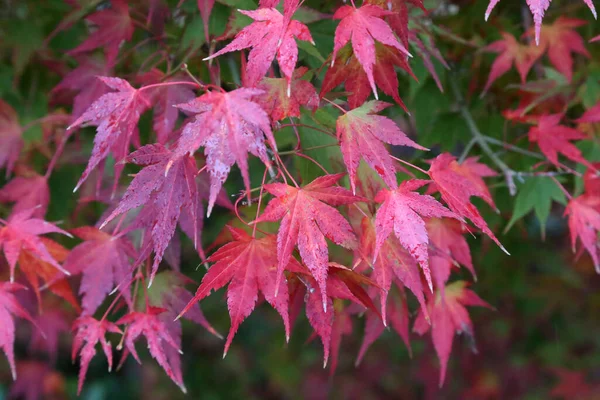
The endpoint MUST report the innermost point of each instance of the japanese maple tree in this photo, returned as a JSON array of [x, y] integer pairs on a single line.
[[337, 161]]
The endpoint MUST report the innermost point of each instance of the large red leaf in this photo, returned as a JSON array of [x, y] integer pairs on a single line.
[[249, 265], [306, 219], [271, 34], [228, 125], [364, 26], [402, 211], [116, 115], [361, 134], [165, 186], [456, 185], [21, 232]]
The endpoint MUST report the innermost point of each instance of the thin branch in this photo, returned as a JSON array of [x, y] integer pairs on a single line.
[[514, 148], [480, 139]]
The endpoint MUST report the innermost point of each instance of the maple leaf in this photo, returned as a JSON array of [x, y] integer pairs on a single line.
[[114, 26], [20, 232], [249, 265], [560, 40], [456, 185], [271, 34], [398, 18], [448, 316], [394, 263], [276, 101], [361, 134], [538, 8], [166, 187], [103, 261], [10, 137], [511, 52], [306, 219], [83, 81], [228, 125], [51, 323], [554, 138], [364, 25], [116, 115], [584, 223], [89, 332], [27, 192], [157, 335], [401, 211], [36, 269], [9, 305], [348, 70], [165, 97]]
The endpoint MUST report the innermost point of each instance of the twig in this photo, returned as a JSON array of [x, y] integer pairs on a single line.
[[514, 148], [480, 139]]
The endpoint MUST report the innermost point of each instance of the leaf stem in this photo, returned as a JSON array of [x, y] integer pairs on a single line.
[[410, 165]]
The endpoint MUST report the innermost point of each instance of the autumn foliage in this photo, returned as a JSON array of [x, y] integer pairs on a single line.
[[284, 152]]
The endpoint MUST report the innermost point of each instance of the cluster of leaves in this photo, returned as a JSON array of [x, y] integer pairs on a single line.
[[392, 224]]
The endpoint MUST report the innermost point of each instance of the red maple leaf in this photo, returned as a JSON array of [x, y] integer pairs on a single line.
[[103, 261], [37, 271], [21, 232], [560, 40], [306, 219], [89, 332], [364, 25], [165, 186], [228, 125], [279, 104], [157, 335], [394, 263], [448, 316], [116, 115], [84, 82], [271, 34], [511, 52], [165, 99], [584, 223], [27, 192], [114, 26], [456, 185], [10, 137], [10, 306], [401, 211], [554, 139], [398, 18], [348, 70], [361, 134], [538, 8], [205, 7], [249, 265]]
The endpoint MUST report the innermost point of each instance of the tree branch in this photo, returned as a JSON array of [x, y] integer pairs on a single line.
[[480, 139]]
